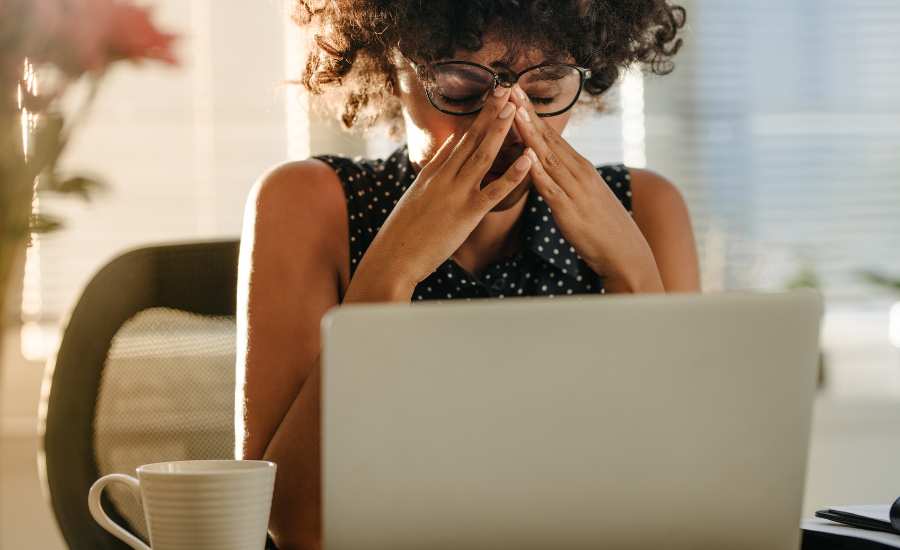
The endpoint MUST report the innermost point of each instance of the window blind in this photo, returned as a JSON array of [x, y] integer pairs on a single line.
[[781, 125]]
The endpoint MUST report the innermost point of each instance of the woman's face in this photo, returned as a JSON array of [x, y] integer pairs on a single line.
[[427, 128]]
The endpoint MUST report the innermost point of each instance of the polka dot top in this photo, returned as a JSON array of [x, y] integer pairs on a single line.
[[547, 265]]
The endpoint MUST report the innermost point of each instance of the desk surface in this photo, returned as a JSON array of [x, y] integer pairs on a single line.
[[821, 534]]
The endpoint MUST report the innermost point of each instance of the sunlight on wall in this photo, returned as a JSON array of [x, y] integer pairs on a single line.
[[296, 104], [203, 113], [35, 341], [634, 131], [895, 325]]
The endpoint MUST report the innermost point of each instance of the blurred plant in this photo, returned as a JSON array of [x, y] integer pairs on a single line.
[[46, 47], [806, 277], [881, 280]]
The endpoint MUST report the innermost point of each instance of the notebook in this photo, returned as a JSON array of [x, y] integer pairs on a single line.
[[877, 523], [875, 517]]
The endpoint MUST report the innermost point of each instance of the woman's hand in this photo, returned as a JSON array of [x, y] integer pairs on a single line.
[[588, 213], [444, 204]]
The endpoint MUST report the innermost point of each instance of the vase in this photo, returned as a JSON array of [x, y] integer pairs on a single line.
[[12, 260]]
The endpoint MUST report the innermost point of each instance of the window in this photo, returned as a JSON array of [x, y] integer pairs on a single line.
[[781, 125], [179, 148]]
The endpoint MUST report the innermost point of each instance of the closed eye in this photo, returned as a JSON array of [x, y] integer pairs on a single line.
[[542, 100], [460, 100], [537, 100]]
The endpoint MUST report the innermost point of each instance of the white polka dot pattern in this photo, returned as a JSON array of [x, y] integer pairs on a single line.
[[536, 270]]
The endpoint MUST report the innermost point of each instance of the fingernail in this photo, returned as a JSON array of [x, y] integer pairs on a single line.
[[521, 93], [500, 91], [531, 154], [507, 111], [523, 114], [522, 163]]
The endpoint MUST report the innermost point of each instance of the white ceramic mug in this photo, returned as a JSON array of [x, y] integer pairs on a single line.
[[196, 504]]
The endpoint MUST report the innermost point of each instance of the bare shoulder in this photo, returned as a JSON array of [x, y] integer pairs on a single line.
[[652, 194], [662, 215], [295, 190], [298, 201]]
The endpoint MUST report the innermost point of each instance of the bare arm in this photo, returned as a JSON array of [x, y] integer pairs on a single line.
[[287, 279], [294, 240]]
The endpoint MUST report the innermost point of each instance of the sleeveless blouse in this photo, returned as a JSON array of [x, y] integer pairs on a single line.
[[546, 265]]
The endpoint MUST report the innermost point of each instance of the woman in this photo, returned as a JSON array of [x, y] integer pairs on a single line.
[[486, 199]]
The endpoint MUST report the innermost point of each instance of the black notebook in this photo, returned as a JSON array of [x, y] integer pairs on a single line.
[[873, 517]]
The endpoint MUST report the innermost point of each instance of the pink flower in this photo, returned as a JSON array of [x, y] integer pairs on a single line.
[[103, 31], [88, 35], [131, 35]]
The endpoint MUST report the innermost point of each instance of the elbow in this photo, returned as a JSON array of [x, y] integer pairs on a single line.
[[293, 522]]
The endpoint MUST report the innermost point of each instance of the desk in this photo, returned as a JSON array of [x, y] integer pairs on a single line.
[[813, 540], [840, 537]]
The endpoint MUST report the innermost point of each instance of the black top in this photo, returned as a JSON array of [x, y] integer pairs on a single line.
[[546, 266]]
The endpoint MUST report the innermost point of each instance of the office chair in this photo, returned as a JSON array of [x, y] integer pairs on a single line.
[[144, 373]]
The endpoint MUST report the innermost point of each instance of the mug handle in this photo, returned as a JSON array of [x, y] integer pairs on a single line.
[[101, 517]]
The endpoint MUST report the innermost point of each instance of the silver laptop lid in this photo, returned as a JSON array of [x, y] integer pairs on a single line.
[[649, 421]]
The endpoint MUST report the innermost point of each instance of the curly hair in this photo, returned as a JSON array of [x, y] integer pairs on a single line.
[[355, 42]]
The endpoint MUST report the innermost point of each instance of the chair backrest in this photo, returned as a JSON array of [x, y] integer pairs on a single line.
[[144, 373]]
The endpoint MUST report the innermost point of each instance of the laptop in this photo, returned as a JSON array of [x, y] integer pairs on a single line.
[[642, 421]]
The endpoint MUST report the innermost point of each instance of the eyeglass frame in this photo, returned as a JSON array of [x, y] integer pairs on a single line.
[[584, 73]]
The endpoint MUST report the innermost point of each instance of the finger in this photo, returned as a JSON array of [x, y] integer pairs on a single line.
[[482, 158], [498, 189], [553, 193], [542, 138], [440, 157], [550, 135], [476, 131]]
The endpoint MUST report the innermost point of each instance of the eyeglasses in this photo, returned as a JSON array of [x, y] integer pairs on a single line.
[[462, 87]]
